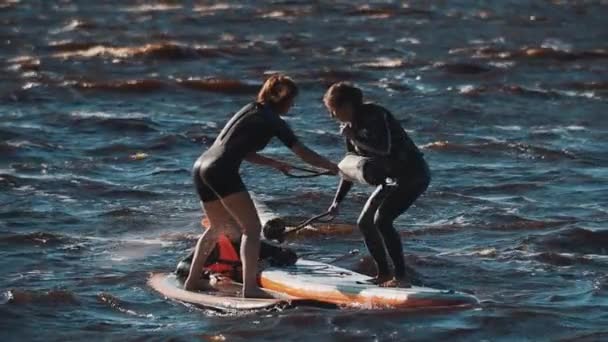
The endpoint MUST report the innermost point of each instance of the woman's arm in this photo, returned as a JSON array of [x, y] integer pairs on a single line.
[[314, 159], [262, 160], [342, 191]]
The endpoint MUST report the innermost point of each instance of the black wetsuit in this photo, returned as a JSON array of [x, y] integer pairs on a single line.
[[379, 135], [216, 172]]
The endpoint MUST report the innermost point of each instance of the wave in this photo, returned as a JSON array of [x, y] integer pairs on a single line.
[[10, 181], [511, 89], [119, 305], [217, 85], [25, 63], [87, 121], [111, 149], [385, 63], [92, 187], [601, 86], [577, 240], [531, 53], [520, 149], [78, 25], [284, 14], [35, 238], [383, 12], [433, 230], [7, 135], [53, 297], [161, 171], [122, 212], [561, 259], [584, 90], [462, 68], [138, 86], [587, 337], [504, 188], [160, 7], [131, 193], [55, 216], [514, 222], [14, 146], [167, 142], [7, 149], [134, 151], [329, 76], [65, 46], [163, 50]]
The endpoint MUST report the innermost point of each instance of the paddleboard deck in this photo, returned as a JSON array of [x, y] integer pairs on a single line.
[[331, 284], [225, 299]]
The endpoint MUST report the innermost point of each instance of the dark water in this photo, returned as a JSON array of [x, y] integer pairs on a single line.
[[105, 106]]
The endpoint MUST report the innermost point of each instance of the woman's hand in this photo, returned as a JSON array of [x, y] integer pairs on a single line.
[[314, 159], [334, 170]]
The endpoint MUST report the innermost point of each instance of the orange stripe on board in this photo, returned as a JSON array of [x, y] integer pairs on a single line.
[[338, 297]]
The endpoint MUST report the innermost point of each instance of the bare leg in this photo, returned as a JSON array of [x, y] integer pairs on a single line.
[[243, 210], [220, 223]]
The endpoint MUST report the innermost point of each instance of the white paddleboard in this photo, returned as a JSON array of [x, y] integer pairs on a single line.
[[330, 284], [225, 299]]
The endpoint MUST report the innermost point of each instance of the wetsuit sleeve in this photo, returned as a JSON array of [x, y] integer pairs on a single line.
[[343, 189], [285, 133], [344, 185], [378, 137], [349, 146]]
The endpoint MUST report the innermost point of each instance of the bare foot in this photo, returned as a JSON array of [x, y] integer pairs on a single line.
[[192, 284], [381, 278], [396, 283], [256, 292]]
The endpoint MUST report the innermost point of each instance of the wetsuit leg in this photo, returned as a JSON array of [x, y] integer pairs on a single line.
[[398, 200], [371, 235]]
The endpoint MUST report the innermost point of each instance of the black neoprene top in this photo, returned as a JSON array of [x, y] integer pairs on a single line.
[[249, 130], [379, 134]]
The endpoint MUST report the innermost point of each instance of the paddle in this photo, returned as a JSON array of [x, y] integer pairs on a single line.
[[276, 229]]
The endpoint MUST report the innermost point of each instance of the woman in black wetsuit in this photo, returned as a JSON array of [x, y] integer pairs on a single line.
[[224, 198], [372, 131]]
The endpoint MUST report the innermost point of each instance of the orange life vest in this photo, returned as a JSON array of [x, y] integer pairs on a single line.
[[227, 259]]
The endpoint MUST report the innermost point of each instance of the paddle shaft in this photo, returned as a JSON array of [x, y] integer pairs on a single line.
[[307, 222]]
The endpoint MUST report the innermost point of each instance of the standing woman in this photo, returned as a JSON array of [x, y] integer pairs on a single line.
[[373, 133], [223, 195]]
